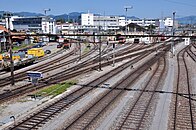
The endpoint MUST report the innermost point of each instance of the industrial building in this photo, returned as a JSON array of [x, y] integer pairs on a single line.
[[115, 22], [145, 22], [89, 23], [40, 24], [35, 24], [102, 22]]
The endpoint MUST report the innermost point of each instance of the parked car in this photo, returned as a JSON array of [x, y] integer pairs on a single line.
[[36, 46], [42, 43], [59, 45], [47, 51]]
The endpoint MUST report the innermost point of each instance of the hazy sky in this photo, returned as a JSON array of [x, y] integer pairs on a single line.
[[141, 8]]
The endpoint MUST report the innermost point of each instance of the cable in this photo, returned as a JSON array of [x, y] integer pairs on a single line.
[[181, 3]]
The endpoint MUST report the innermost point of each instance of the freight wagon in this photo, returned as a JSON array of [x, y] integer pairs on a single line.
[[37, 52], [65, 44], [18, 63]]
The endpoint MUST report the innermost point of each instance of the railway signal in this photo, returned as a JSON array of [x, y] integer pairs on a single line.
[[13, 119], [186, 41], [34, 76]]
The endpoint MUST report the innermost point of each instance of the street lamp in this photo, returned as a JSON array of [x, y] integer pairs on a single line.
[[126, 23]]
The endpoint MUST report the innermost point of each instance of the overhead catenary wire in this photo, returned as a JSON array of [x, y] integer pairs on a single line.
[[181, 3]]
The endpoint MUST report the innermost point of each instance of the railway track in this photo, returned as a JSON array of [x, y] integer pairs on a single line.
[[44, 68], [137, 115], [39, 67], [183, 111], [63, 75], [47, 67], [59, 78], [191, 53], [37, 119], [51, 55], [89, 116], [194, 45]]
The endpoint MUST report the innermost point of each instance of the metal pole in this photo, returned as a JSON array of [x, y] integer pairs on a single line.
[[113, 54], [173, 27], [4, 44], [45, 11], [173, 33], [80, 50], [94, 38], [100, 53], [126, 22], [10, 50], [99, 44], [0, 45]]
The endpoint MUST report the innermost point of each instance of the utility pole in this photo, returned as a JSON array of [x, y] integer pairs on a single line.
[[173, 33], [4, 44], [8, 15], [99, 51], [126, 22], [94, 38], [113, 54], [99, 43], [80, 50]]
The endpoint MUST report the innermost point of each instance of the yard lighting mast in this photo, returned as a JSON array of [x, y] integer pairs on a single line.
[[173, 33], [126, 22], [45, 12]]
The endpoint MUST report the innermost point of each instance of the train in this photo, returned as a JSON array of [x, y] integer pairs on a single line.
[[64, 43], [20, 58], [17, 61], [120, 39]]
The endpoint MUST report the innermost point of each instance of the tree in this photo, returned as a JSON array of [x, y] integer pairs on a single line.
[[70, 21], [61, 20], [151, 28], [14, 30]]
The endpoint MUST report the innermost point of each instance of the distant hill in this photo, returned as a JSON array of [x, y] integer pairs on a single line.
[[130, 17], [187, 20], [27, 14], [76, 16]]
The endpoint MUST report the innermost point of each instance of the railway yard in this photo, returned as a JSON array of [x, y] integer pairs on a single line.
[[131, 86]]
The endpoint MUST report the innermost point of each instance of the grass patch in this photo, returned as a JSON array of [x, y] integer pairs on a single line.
[[24, 100], [22, 46], [87, 48], [56, 89]]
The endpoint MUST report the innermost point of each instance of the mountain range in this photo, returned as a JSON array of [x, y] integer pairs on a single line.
[[187, 20], [76, 16]]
